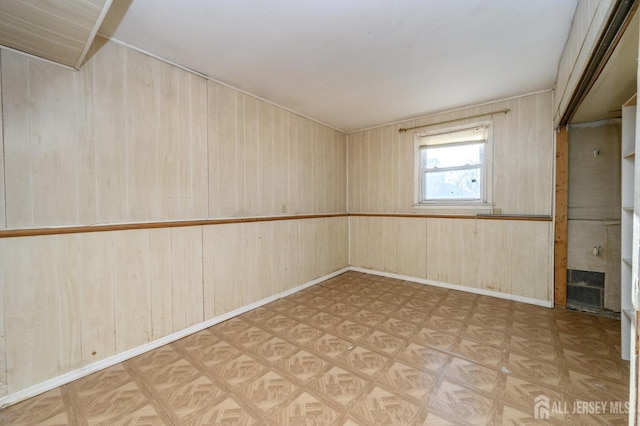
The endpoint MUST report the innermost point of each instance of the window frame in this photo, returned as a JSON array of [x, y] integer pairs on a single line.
[[485, 200]]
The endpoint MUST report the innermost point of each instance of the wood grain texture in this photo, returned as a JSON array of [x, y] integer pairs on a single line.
[[124, 167], [133, 309], [58, 30], [267, 161], [511, 257], [587, 25], [561, 217], [97, 273], [389, 244], [3, 212], [187, 303], [3, 346], [32, 334], [247, 262], [381, 170], [122, 140], [381, 163], [89, 296]]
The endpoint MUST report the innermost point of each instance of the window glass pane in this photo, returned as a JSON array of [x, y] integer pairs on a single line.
[[452, 156], [453, 185]]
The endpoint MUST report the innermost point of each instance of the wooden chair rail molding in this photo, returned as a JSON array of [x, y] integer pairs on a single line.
[[527, 217], [32, 232]]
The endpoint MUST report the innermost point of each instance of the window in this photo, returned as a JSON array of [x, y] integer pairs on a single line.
[[452, 165]]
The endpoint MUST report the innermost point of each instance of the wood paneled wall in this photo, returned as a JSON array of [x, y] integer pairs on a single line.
[[58, 30], [122, 140], [586, 28], [3, 210], [511, 257], [272, 161], [381, 164], [131, 139], [71, 300]]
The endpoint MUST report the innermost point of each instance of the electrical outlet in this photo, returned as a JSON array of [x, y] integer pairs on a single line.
[[497, 210]]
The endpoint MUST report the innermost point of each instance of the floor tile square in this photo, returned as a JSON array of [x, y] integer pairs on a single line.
[[473, 375], [275, 349], [409, 380], [483, 335], [368, 318], [458, 402], [521, 393], [438, 339], [225, 412], [47, 408], [197, 342], [340, 385], [328, 345], [536, 370], [217, 353], [398, 327], [170, 375], [104, 406], [267, 391], [364, 361], [278, 323], [423, 357], [595, 388], [237, 370], [351, 330], [189, 397], [302, 333], [379, 407], [303, 410], [592, 364], [479, 353], [383, 342], [532, 348], [448, 325], [416, 316], [303, 365], [324, 320], [231, 326]]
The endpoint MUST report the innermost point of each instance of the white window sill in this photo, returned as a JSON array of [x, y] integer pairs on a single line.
[[484, 207]]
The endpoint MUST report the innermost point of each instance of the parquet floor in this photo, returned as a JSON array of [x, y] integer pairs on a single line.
[[361, 350]]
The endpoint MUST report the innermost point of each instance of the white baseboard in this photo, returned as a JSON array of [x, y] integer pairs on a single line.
[[516, 298], [63, 379]]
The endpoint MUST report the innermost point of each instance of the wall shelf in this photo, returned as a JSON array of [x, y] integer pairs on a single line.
[[626, 245]]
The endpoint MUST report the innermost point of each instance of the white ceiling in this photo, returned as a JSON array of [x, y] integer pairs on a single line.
[[354, 64]]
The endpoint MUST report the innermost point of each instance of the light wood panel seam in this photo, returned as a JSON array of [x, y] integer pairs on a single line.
[[4, 153]]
